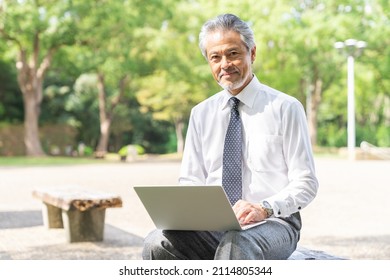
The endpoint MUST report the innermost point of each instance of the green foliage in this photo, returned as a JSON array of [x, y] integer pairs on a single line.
[[124, 151], [11, 101], [171, 146], [154, 44], [331, 135], [383, 136], [54, 22], [88, 151], [82, 107]]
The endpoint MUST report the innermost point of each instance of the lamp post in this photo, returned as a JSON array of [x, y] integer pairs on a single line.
[[351, 48]]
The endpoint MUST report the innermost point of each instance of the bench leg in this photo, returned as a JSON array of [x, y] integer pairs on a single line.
[[52, 217], [84, 225]]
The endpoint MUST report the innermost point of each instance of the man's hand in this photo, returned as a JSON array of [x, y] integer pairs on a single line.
[[247, 212]]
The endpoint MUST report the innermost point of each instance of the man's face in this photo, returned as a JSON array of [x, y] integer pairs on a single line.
[[229, 60]]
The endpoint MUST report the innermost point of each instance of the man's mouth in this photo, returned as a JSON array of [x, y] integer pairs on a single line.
[[227, 74]]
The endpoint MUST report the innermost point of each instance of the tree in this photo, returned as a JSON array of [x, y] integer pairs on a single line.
[[296, 54], [113, 61], [167, 99], [146, 54], [35, 30], [180, 76]]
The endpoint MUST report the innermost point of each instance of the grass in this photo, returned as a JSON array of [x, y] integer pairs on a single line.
[[111, 158], [34, 161], [58, 160]]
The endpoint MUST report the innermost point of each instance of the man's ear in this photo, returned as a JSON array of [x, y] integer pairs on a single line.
[[253, 54]]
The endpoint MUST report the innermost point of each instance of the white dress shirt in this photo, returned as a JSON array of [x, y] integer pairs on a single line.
[[278, 164]]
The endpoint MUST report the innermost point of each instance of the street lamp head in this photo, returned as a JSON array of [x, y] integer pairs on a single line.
[[351, 47], [350, 42]]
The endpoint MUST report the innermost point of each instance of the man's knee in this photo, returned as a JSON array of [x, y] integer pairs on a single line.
[[149, 246], [238, 245], [269, 241], [157, 247], [152, 245]]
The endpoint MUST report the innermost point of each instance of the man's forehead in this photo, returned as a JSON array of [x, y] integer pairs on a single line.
[[220, 34], [223, 40]]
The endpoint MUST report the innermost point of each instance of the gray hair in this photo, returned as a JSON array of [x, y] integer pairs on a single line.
[[226, 22]]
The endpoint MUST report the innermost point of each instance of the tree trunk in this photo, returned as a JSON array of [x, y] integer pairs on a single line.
[[30, 80], [105, 113], [105, 120], [179, 125], [314, 102], [105, 126], [31, 73], [31, 129]]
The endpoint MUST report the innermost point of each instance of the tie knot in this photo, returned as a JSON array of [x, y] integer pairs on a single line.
[[234, 101]]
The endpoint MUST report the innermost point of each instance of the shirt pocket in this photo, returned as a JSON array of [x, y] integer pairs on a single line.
[[265, 153]]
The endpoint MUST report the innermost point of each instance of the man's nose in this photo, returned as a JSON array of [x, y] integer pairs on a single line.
[[225, 62]]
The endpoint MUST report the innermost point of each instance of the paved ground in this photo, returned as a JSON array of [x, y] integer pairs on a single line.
[[349, 218]]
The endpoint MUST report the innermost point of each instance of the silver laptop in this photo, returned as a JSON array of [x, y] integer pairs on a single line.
[[189, 208]]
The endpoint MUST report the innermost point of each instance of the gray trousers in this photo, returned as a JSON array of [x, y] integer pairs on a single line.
[[274, 240]]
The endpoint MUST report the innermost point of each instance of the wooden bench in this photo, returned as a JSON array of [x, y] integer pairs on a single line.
[[80, 212]]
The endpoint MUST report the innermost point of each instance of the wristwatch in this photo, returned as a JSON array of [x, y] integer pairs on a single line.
[[267, 207]]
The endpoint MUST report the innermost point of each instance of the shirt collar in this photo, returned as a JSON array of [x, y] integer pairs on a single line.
[[246, 96]]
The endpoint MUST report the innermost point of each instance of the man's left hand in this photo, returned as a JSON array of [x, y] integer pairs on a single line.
[[247, 212]]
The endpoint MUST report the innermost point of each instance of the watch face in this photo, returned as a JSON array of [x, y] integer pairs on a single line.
[[268, 208], [267, 205]]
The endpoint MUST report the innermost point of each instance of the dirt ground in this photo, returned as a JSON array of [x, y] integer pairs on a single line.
[[349, 217]]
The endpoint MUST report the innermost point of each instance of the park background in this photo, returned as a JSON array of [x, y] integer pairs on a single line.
[[99, 75], [80, 80]]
